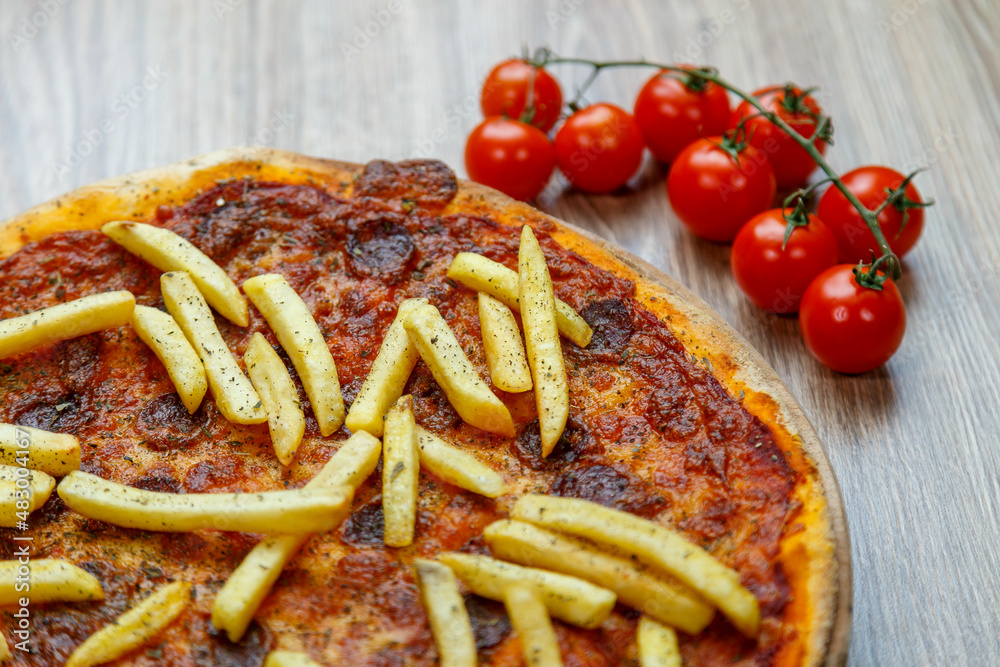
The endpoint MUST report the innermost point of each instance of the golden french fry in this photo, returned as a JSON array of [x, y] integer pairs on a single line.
[[22, 491], [484, 275], [48, 580], [567, 598], [252, 580], [55, 454], [444, 355], [285, 419], [134, 628], [651, 543], [298, 511], [164, 337], [5, 654], [289, 659], [79, 317], [657, 644], [169, 252], [387, 377], [536, 547], [446, 612], [538, 315], [457, 466], [504, 348], [531, 621], [400, 473], [299, 334], [234, 395]]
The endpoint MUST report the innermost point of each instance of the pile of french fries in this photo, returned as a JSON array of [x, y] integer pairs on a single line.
[[555, 557]]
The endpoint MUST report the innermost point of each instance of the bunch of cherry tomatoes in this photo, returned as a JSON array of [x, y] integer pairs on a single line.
[[727, 167]]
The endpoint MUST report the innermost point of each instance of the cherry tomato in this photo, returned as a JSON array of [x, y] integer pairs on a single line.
[[773, 278], [506, 90], [713, 194], [674, 110], [513, 157], [850, 328], [792, 164], [870, 185], [599, 148]]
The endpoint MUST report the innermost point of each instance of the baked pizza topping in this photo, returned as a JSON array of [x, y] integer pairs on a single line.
[[650, 431]]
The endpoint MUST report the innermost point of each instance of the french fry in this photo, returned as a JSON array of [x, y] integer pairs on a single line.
[[169, 252], [55, 454], [457, 466], [285, 419], [446, 612], [289, 659], [503, 345], [387, 377], [484, 275], [234, 395], [298, 333], [134, 628], [567, 598], [22, 491], [531, 621], [536, 547], [466, 391], [298, 511], [651, 543], [5, 654], [400, 473], [160, 332], [657, 644], [252, 580], [79, 317], [538, 315], [50, 580]]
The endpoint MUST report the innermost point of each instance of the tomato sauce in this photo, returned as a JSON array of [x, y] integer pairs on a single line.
[[650, 432]]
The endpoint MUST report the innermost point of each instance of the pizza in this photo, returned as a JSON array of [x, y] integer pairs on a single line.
[[672, 419]]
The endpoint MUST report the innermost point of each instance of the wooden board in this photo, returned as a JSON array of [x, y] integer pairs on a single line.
[[914, 445]]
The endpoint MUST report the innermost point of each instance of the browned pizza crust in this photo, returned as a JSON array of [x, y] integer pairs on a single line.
[[816, 557]]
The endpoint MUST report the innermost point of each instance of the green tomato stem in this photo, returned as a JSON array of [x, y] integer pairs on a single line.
[[889, 259]]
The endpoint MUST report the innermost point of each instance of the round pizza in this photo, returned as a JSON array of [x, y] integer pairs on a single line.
[[259, 408]]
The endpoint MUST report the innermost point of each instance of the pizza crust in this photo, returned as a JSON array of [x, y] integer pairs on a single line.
[[815, 557]]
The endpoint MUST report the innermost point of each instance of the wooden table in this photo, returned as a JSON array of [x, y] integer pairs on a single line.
[[90, 90]]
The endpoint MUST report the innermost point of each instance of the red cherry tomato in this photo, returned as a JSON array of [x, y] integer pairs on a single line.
[[712, 194], [599, 148], [515, 158], [774, 278], [792, 164], [870, 185], [506, 91], [850, 328], [674, 110]]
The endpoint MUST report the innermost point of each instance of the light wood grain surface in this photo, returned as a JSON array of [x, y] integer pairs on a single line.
[[94, 89]]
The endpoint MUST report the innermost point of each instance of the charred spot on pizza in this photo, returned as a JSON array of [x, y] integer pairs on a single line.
[[366, 525], [164, 424], [160, 477], [218, 651], [611, 320], [62, 412], [427, 184], [78, 359], [672, 411], [608, 486], [431, 406], [381, 247], [222, 471], [576, 444], [490, 623]]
